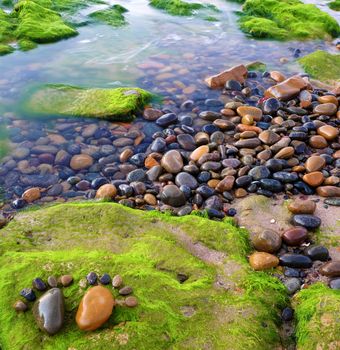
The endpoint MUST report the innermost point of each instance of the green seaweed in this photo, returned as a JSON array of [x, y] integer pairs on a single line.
[[149, 250], [322, 65], [286, 19], [317, 311], [334, 5], [114, 16], [114, 104], [183, 8], [39, 24]]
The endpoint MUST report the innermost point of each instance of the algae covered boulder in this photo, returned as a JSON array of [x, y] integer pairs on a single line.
[[322, 65], [220, 304], [286, 19], [114, 16], [64, 100]]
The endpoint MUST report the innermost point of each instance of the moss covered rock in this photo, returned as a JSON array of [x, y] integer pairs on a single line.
[[322, 65], [114, 16], [317, 315], [65, 100], [334, 5], [183, 8], [286, 19], [221, 305]]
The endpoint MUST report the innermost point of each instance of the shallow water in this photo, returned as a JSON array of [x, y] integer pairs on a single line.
[[104, 56]]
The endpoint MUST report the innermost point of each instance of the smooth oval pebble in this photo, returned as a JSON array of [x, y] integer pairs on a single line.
[[317, 252], [117, 281], [295, 236], [262, 261], [295, 260], [299, 206], [267, 241], [335, 283], [125, 290], [48, 311], [95, 308], [331, 269], [311, 222], [131, 301], [106, 191]]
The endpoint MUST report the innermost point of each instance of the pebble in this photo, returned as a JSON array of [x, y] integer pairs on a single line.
[[295, 236], [299, 206], [267, 241], [315, 163], [52, 281], [81, 161], [92, 278], [20, 306], [106, 191], [117, 281], [335, 283], [172, 162], [66, 280], [317, 252], [262, 261], [199, 152], [95, 308], [125, 290], [173, 196], [39, 284], [295, 261], [325, 109], [31, 195], [28, 294], [308, 221], [48, 311], [292, 284], [331, 269], [105, 279], [328, 191], [287, 314], [131, 301], [314, 179]]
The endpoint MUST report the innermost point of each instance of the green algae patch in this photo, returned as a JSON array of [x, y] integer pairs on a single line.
[[39, 24], [63, 100], [322, 66], [149, 250], [334, 5], [183, 8], [286, 19], [317, 311], [5, 49], [113, 16]]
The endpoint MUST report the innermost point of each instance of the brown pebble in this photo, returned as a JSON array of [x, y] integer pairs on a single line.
[[125, 290], [328, 132], [66, 280], [331, 269], [315, 163], [117, 281], [20, 306], [299, 206], [295, 236], [131, 301], [262, 261], [314, 179]]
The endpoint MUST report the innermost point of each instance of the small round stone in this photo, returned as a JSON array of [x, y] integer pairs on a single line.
[[267, 241], [262, 261], [66, 280], [20, 306], [292, 284], [131, 301], [52, 281], [105, 279], [39, 284], [28, 294], [92, 278], [125, 290], [287, 314], [117, 281]]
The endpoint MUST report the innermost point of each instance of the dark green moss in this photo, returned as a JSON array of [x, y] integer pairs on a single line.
[[148, 250], [322, 65], [183, 8], [113, 16], [286, 19], [65, 100], [334, 5]]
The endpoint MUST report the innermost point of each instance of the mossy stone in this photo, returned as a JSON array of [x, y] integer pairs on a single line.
[[322, 65], [113, 104], [113, 16]]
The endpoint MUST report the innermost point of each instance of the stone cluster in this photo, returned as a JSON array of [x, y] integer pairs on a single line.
[[94, 309], [294, 250]]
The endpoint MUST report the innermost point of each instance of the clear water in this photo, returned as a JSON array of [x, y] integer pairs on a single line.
[[189, 48]]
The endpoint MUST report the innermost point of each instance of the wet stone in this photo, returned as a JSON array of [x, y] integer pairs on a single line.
[[20, 306], [263, 261], [331, 269], [292, 284], [186, 141], [317, 252], [308, 221], [48, 311], [187, 180], [95, 308], [259, 172], [295, 236], [271, 185], [173, 196], [299, 206], [295, 260], [172, 162], [267, 241], [167, 119], [271, 106], [136, 175]]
